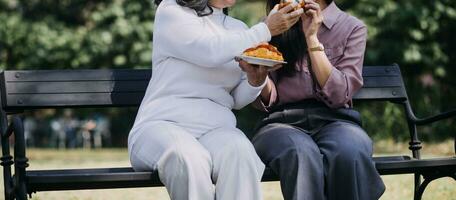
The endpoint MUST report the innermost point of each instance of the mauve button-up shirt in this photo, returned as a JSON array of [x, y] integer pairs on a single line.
[[344, 39]]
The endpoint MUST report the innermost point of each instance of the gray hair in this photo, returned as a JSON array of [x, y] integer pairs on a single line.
[[201, 7]]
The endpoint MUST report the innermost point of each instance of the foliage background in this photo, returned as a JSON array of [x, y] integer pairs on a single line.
[[80, 34]]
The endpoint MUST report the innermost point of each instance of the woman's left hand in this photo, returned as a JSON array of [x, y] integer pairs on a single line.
[[256, 74], [311, 19]]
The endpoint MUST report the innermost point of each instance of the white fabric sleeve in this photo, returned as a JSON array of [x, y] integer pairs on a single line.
[[184, 35], [244, 93]]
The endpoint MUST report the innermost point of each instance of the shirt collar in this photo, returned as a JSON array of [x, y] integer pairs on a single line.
[[217, 11], [330, 15]]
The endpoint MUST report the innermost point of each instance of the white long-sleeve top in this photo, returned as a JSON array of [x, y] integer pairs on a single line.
[[195, 81]]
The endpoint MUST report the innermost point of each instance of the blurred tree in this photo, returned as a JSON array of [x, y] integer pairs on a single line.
[[75, 33], [418, 35], [78, 34]]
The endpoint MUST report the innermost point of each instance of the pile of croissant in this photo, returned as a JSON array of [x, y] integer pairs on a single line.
[[265, 51]]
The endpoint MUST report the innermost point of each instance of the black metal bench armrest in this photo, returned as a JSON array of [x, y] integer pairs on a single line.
[[428, 120], [424, 121], [434, 118]]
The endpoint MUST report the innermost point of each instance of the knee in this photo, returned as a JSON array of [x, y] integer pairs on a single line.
[[284, 142], [356, 144], [238, 146], [173, 157], [187, 155], [271, 139]]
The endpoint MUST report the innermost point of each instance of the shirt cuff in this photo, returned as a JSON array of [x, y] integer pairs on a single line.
[[272, 96], [259, 88], [263, 106], [330, 94]]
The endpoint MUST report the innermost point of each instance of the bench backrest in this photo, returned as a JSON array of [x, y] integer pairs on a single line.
[[34, 89]]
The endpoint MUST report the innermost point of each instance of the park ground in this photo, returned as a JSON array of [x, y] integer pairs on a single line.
[[398, 187]]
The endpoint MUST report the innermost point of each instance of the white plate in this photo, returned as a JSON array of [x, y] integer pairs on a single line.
[[261, 61]]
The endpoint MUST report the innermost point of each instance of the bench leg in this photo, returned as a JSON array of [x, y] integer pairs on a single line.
[[428, 178], [418, 184], [6, 159], [419, 189], [20, 160]]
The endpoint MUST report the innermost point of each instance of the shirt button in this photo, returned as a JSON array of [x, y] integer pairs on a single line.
[[326, 98], [330, 102]]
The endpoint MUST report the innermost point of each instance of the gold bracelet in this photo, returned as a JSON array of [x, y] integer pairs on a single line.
[[320, 47]]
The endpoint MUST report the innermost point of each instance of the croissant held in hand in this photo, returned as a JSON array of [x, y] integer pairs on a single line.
[[284, 3]]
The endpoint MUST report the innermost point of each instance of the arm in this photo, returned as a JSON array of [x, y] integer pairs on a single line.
[[336, 83], [252, 82], [339, 82], [267, 98], [184, 35], [245, 93]]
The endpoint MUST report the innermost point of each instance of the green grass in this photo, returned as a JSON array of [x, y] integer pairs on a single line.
[[398, 186]]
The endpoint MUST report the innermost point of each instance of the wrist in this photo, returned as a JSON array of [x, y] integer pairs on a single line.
[[271, 30], [265, 94], [312, 41], [256, 82]]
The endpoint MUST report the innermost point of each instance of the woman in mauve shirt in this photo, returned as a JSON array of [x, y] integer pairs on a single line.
[[312, 138]]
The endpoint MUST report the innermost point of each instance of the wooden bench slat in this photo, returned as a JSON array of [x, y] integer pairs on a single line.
[[74, 179], [63, 87], [25, 101], [416, 166], [379, 94], [382, 81], [125, 87], [392, 70], [77, 87], [77, 75]]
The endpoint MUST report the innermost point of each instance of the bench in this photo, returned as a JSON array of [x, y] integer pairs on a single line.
[[39, 89]]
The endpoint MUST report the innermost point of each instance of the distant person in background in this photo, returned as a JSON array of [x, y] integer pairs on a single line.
[[95, 132], [65, 130], [312, 137], [102, 132], [42, 134], [29, 131], [88, 134], [58, 134], [70, 126]]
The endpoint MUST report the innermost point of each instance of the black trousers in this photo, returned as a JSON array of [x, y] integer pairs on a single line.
[[319, 153]]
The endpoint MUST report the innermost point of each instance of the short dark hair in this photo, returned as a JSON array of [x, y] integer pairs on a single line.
[[201, 7]]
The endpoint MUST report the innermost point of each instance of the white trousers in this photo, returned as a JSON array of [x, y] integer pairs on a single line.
[[221, 164]]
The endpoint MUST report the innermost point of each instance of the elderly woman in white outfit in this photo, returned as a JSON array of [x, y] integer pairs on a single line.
[[185, 128]]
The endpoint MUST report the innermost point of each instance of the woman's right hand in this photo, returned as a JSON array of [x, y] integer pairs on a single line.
[[279, 21]]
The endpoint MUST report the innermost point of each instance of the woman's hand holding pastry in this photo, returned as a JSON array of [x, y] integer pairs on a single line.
[[311, 19], [256, 74], [279, 21]]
